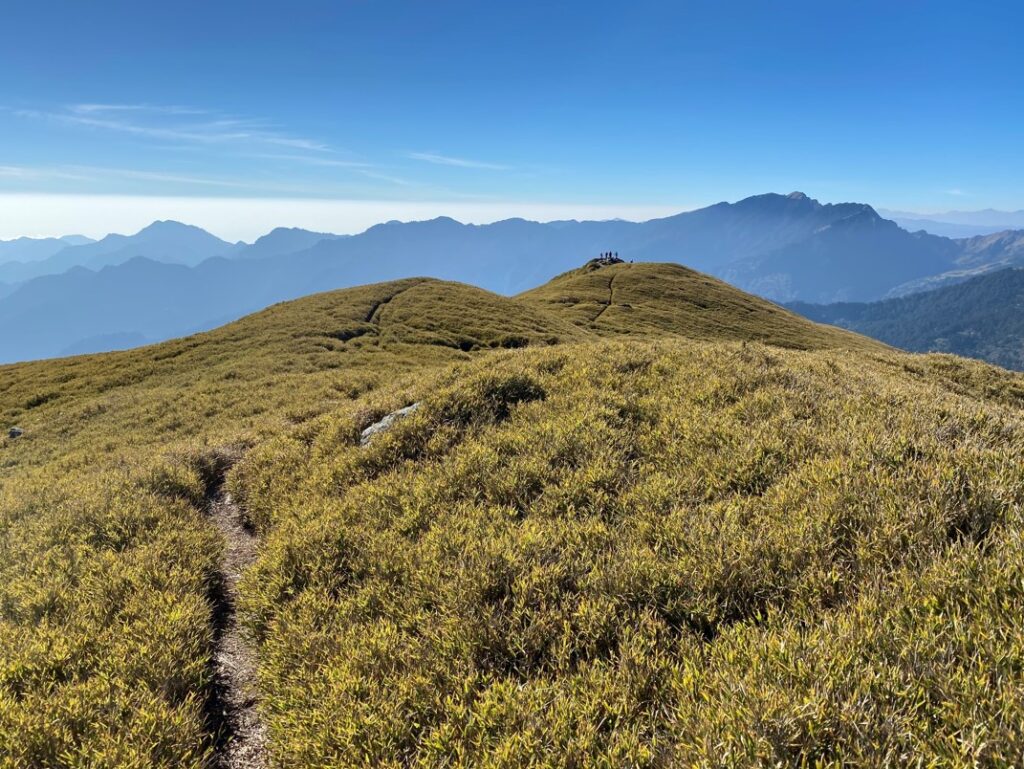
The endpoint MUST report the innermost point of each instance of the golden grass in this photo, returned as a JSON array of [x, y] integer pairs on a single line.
[[637, 554], [586, 552], [668, 299]]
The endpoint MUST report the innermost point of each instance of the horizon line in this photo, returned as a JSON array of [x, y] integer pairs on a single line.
[[96, 215]]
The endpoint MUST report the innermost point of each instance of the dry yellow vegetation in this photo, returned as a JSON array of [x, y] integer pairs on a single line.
[[652, 523], [658, 299]]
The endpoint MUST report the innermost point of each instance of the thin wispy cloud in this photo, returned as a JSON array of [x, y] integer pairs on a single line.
[[301, 144], [447, 160], [211, 137], [167, 109], [389, 178], [315, 160], [25, 173], [955, 192], [85, 173], [162, 176], [159, 123], [101, 179]]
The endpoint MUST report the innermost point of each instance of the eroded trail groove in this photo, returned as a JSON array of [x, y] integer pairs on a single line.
[[241, 737]]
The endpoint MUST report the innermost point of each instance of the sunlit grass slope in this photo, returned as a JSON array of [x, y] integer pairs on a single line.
[[659, 550], [105, 557], [646, 554], [656, 299]]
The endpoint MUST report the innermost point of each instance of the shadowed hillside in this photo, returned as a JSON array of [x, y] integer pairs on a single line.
[[859, 257], [980, 318], [642, 537]]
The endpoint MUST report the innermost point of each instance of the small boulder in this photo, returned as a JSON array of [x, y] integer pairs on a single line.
[[378, 427], [15, 432]]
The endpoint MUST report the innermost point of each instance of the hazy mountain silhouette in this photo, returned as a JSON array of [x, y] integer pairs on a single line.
[[76, 240], [166, 241], [141, 297], [511, 255], [858, 257], [783, 247], [283, 240], [988, 217], [976, 256], [36, 249], [947, 229]]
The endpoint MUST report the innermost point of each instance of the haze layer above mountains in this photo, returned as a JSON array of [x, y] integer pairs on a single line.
[[171, 279]]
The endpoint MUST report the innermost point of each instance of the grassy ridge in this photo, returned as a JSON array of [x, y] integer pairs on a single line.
[[669, 299], [520, 567]]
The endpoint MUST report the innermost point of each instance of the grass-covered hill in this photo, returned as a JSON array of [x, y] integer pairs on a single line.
[[980, 318], [669, 299], [654, 543]]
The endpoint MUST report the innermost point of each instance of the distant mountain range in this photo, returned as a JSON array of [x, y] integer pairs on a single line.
[[170, 242], [947, 229], [979, 318], [170, 278], [282, 241], [37, 249], [958, 224], [977, 256], [985, 218]]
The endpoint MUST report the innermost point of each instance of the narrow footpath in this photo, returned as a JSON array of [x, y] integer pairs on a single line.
[[241, 737]]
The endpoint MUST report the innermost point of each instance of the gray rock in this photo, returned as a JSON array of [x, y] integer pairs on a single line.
[[15, 432], [378, 427]]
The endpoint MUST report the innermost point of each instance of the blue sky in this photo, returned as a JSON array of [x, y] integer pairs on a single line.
[[487, 109]]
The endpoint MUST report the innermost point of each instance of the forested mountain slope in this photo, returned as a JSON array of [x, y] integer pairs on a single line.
[[980, 318]]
